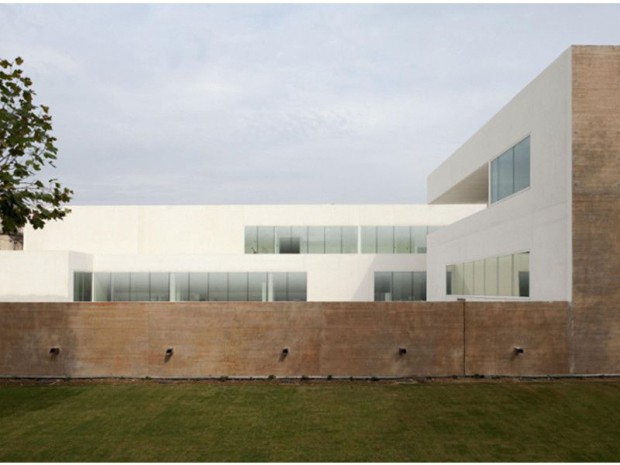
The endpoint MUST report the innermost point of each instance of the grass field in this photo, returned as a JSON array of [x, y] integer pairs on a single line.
[[576, 420]]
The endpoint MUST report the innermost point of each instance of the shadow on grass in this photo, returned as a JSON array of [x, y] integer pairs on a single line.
[[19, 400]]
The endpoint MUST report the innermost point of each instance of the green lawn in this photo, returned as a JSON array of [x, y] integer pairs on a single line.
[[576, 420]]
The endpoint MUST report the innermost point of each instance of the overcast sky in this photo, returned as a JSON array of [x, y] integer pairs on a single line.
[[220, 104]]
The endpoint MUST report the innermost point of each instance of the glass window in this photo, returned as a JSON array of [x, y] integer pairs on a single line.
[[522, 164], [457, 279], [82, 286], [279, 286], [238, 287], [521, 274], [198, 286], [402, 239], [160, 287], [316, 239], [218, 286], [121, 287], [257, 287], [383, 286], [251, 239], [300, 233], [468, 278], [524, 283], [294, 245], [103, 287], [77, 286], [385, 239], [194, 286], [349, 239], [333, 239], [419, 285], [139, 285], [283, 240], [504, 275], [494, 180], [179, 284], [510, 172], [336, 239], [506, 178], [297, 287], [266, 239], [479, 277], [490, 276], [402, 286], [369, 239], [87, 286], [277, 239], [418, 239]]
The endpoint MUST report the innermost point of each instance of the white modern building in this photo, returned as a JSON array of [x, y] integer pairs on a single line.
[[228, 252], [498, 226], [519, 167]]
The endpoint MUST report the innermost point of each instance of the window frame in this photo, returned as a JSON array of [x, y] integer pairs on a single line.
[[494, 173]]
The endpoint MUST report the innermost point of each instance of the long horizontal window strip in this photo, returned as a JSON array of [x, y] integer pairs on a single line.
[[336, 239], [189, 286], [504, 276], [400, 286], [510, 172], [395, 239]]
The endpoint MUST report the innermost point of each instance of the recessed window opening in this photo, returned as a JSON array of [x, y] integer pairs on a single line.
[[400, 286], [510, 172], [336, 239], [82, 286], [290, 245], [189, 286], [504, 276]]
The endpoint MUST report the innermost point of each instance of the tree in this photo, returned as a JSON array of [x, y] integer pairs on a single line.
[[26, 147]]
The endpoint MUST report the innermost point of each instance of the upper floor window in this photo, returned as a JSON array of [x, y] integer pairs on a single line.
[[336, 239], [300, 239], [395, 239], [510, 172]]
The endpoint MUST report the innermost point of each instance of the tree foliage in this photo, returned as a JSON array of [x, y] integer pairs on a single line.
[[26, 147]]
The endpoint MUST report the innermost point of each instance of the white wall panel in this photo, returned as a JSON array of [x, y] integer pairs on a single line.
[[537, 219]]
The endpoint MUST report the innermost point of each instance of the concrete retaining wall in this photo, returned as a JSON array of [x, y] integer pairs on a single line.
[[246, 339]]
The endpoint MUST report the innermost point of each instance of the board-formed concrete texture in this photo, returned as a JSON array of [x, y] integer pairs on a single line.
[[517, 338], [596, 209], [248, 339]]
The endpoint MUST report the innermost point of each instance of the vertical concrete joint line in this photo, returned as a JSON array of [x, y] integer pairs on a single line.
[[571, 338], [464, 339]]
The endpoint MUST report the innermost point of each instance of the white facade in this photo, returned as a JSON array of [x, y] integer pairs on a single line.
[[535, 220], [207, 239], [478, 233]]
